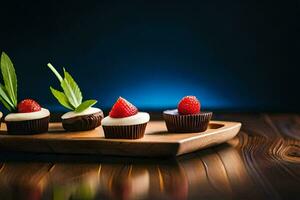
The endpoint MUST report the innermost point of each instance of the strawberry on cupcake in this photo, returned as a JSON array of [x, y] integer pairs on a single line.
[[188, 117], [82, 115], [125, 121], [27, 116]]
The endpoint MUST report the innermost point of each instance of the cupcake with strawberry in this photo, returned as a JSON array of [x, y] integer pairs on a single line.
[[188, 117], [82, 115], [125, 121], [27, 116], [1, 115]]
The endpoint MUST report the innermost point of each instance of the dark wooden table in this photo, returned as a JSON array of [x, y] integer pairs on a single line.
[[262, 162]]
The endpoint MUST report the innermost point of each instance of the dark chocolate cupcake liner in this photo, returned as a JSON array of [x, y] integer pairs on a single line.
[[83, 123], [187, 123], [125, 132], [28, 127]]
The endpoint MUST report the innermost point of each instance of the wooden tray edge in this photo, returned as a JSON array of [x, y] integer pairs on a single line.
[[221, 135]]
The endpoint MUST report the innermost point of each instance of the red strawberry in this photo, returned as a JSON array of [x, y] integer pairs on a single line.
[[122, 108], [189, 105], [28, 105]]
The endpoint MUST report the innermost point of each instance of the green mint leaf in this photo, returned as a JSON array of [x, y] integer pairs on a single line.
[[85, 105], [55, 72], [61, 98], [71, 97], [5, 99], [9, 77], [6, 105], [71, 90]]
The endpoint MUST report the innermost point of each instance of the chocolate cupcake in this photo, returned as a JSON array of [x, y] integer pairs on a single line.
[[187, 118], [28, 123], [83, 116], [124, 121], [83, 121], [27, 116]]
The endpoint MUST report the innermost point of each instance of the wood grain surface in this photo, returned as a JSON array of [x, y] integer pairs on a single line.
[[156, 142], [261, 162]]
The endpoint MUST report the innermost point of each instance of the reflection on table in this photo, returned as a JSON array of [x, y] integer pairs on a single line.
[[210, 174]]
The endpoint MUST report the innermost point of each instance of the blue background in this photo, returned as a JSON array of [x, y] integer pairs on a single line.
[[233, 55]]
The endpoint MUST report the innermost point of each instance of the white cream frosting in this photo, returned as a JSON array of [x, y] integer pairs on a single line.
[[139, 118], [27, 116], [88, 111], [1, 115]]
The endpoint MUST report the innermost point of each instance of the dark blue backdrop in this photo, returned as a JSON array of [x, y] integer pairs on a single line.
[[233, 55]]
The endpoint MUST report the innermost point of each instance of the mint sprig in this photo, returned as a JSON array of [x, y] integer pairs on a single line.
[[62, 98], [8, 90], [71, 90], [71, 97], [85, 104]]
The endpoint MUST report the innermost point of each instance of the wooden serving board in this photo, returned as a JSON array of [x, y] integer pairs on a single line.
[[157, 141]]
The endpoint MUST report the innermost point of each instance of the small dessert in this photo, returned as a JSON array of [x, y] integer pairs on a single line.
[[187, 118], [125, 121], [82, 116], [27, 116], [30, 119], [1, 115]]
